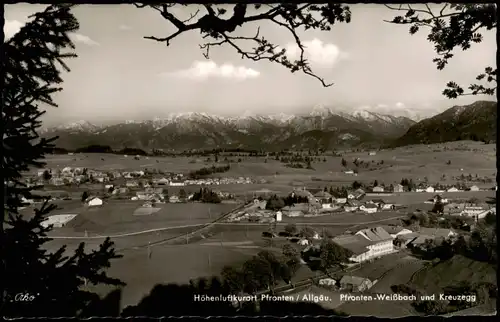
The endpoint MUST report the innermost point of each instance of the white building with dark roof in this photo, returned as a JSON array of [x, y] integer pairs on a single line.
[[367, 244]]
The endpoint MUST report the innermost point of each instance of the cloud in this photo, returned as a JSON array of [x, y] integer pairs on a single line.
[[317, 52], [381, 105], [12, 27], [84, 39], [400, 105], [201, 70], [124, 28]]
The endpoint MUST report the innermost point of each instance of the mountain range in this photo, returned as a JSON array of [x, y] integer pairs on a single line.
[[322, 128], [477, 122]]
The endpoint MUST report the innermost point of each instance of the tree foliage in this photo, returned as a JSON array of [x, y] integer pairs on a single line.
[[454, 26], [32, 61], [218, 27], [291, 229], [275, 203], [333, 254]]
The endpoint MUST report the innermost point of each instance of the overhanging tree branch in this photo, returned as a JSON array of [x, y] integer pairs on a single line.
[[456, 25], [291, 17]]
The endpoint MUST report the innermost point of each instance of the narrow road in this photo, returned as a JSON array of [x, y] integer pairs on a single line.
[[126, 234]]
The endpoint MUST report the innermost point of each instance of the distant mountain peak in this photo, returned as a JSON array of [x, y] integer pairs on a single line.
[[476, 121]]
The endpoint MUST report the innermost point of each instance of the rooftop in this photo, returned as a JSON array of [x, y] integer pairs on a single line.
[[376, 234], [355, 243], [353, 280]]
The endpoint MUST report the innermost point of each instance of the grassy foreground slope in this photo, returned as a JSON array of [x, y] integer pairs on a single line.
[[451, 272]]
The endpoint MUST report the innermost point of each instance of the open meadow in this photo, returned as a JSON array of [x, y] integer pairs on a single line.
[[170, 264], [121, 217], [412, 162]]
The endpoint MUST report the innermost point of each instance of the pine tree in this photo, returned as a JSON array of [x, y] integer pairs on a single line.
[[31, 77]]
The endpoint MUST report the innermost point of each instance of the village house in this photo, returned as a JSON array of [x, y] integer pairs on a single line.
[[177, 183], [381, 238], [132, 184], [304, 194], [56, 181], [100, 179], [324, 198], [93, 201], [430, 189], [378, 189], [368, 208], [474, 188], [378, 202], [67, 171], [127, 175], [364, 248], [396, 231], [296, 210], [351, 283], [349, 207], [162, 182], [439, 198], [341, 201], [476, 212], [303, 242], [452, 189], [358, 193], [121, 191], [372, 153], [436, 234], [152, 190], [174, 199], [327, 282], [387, 206], [260, 204], [349, 172], [397, 188], [58, 221]]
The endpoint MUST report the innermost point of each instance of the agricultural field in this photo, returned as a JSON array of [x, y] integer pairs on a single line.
[[121, 217], [412, 162], [401, 274], [170, 264]]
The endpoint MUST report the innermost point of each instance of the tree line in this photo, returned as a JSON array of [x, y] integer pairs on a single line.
[[203, 172], [96, 148], [206, 195]]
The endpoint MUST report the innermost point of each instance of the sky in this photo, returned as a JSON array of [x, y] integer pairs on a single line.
[[374, 65]]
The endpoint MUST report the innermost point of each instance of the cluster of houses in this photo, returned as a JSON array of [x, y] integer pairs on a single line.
[[438, 189], [323, 201], [421, 187], [180, 181], [68, 176], [372, 243]]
